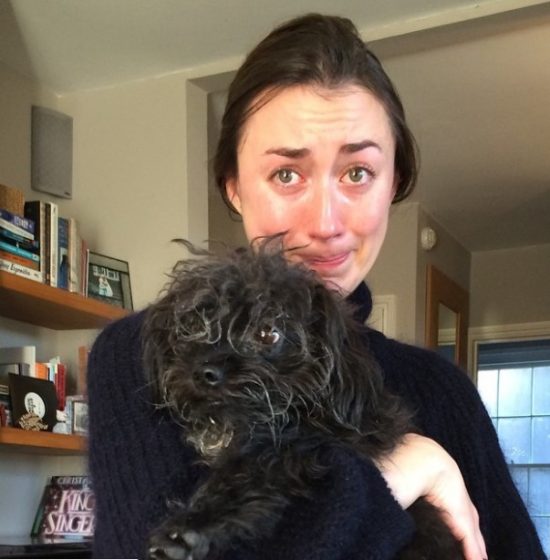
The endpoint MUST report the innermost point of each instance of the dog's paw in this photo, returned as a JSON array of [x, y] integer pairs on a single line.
[[177, 544]]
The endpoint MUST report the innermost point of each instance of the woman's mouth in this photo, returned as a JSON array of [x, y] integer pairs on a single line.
[[326, 263]]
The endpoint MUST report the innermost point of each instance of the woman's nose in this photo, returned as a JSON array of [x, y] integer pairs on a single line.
[[325, 214]]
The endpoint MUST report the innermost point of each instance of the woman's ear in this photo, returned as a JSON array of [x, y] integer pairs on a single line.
[[232, 191]]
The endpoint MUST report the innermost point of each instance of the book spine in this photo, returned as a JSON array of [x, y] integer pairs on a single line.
[[15, 368], [19, 241], [75, 248], [19, 260], [52, 218], [63, 253], [23, 356], [19, 221], [24, 271], [20, 252], [85, 267], [41, 370], [36, 211], [15, 229], [60, 383], [82, 372]]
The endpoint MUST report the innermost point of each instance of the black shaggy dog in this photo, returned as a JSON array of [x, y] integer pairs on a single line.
[[264, 367]]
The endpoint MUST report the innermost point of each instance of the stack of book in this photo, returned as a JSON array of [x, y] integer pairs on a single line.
[[20, 361], [43, 246], [19, 246]]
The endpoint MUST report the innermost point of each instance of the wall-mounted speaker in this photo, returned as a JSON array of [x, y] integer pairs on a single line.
[[51, 152]]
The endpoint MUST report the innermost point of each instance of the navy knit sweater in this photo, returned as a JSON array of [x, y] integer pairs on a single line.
[[138, 461]]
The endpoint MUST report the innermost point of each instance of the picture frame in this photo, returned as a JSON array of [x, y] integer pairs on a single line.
[[33, 403], [109, 280], [79, 416]]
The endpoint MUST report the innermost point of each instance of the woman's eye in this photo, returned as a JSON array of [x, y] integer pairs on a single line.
[[269, 337], [357, 175], [286, 176]]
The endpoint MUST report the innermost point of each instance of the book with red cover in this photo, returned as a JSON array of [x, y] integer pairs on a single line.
[[60, 385], [66, 509]]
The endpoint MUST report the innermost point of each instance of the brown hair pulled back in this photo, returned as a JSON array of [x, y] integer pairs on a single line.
[[314, 49]]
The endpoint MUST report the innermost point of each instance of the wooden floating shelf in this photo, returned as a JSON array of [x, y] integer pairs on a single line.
[[39, 304], [16, 439]]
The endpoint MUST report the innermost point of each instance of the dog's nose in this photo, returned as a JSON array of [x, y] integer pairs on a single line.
[[210, 375]]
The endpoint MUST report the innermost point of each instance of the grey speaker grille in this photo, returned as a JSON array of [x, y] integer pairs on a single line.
[[52, 152]]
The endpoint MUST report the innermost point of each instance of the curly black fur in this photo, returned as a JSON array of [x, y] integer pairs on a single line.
[[264, 368]]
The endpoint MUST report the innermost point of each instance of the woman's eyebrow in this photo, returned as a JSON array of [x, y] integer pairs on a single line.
[[297, 153], [293, 153], [358, 146]]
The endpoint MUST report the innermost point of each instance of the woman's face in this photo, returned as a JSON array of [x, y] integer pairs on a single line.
[[319, 164]]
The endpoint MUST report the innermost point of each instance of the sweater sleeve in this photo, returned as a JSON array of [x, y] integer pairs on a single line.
[[450, 411], [351, 515], [136, 457]]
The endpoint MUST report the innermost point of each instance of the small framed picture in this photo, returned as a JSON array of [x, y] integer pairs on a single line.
[[79, 417], [109, 280], [33, 402]]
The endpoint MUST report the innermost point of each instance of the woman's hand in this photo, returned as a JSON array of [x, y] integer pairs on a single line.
[[419, 467]]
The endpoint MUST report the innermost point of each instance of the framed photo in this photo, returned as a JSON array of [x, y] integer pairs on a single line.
[[109, 280], [79, 417], [33, 403]]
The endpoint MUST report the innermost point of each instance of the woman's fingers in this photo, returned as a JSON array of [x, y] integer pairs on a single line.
[[465, 528]]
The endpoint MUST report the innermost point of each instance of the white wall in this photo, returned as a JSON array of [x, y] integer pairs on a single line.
[[129, 175], [401, 267], [395, 270], [510, 286]]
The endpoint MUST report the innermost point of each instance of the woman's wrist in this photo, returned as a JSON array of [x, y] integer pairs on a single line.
[[413, 468]]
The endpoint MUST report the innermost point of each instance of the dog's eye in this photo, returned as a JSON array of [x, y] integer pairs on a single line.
[[269, 336]]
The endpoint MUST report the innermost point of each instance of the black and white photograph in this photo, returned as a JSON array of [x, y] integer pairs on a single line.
[[80, 417], [109, 280]]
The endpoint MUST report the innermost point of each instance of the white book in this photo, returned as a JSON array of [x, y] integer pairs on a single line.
[[16, 229], [52, 219], [24, 271], [19, 355]]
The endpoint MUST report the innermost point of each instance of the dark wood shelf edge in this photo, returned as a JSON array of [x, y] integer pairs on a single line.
[[15, 439], [39, 304]]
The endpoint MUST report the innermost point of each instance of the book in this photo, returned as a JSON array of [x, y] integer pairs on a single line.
[[18, 240], [3, 415], [19, 221], [84, 268], [66, 509], [36, 211], [17, 368], [75, 257], [20, 270], [15, 229], [63, 253], [60, 381], [12, 248], [82, 371], [52, 232], [19, 355], [41, 370], [33, 265]]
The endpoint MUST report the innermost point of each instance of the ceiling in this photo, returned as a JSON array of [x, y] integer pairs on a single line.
[[474, 78]]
